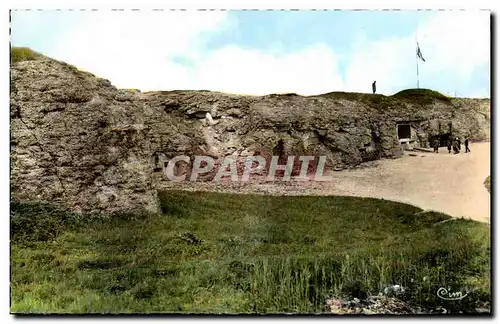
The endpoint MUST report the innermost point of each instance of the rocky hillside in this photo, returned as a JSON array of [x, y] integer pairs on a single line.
[[79, 141]]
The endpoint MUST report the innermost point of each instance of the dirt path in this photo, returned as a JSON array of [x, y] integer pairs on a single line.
[[449, 183]]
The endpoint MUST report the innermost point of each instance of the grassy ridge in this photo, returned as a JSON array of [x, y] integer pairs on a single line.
[[422, 97], [19, 54], [210, 252], [426, 95]]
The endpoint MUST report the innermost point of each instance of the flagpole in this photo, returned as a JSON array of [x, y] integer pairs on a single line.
[[418, 84], [416, 57]]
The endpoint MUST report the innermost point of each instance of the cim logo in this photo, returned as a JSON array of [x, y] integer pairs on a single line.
[[447, 294]]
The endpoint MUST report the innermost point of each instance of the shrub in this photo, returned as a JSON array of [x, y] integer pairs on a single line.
[[37, 222]]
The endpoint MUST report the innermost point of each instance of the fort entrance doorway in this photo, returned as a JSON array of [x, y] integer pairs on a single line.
[[404, 131]]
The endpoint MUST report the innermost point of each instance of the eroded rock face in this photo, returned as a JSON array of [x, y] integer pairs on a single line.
[[78, 141]]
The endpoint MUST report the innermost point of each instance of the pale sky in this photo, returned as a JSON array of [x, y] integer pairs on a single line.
[[262, 52]]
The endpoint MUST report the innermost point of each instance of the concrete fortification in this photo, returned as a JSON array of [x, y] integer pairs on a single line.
[[79, 142]]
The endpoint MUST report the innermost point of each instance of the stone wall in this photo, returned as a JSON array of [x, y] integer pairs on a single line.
[[78, 141]]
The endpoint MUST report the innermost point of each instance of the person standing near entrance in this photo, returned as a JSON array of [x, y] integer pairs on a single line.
[[448, 144], [454, 144], [466, 143], [436, 145], [374, 87]]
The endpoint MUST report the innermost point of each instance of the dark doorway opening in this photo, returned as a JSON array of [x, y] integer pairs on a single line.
[[404, 131], [442, 138]]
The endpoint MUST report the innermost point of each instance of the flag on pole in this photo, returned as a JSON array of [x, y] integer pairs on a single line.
[[419, 53]]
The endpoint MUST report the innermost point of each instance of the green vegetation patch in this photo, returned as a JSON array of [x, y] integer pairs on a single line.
[[224, 253], [19, 54], [421, 95], [487, 183]]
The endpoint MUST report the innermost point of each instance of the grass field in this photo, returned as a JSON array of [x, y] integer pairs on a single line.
[[221, 253]]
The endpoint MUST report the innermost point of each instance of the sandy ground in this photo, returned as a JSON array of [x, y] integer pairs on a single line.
[[449, 183], [444, 182]]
